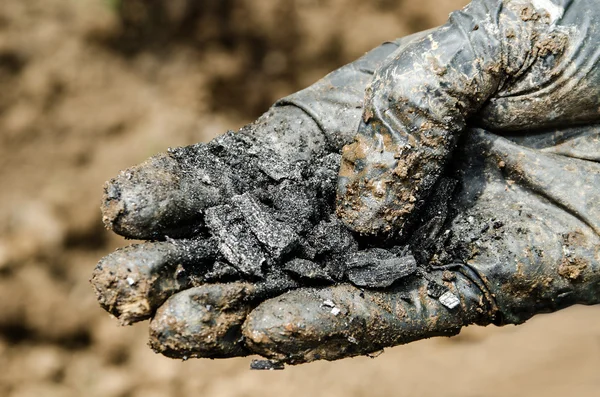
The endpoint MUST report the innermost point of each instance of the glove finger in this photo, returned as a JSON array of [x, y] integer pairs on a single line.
[[132, 282], [202, 322], [344, 321], [165, 195], [206, 321], [528, 218]]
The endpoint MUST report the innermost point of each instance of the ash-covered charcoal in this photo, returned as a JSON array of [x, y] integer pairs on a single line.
[[233, 149], [231, 146], [213, 164], [304, 268], [221, 271], [296, 204], [331, 242], [435, 290], [266, 365], [276, 281], [378, 268], [328, 166], [236, 242], [429, 237], [400, 250], [324, 176], [331, 236], [274, 166], [277, 237], [241, 151]]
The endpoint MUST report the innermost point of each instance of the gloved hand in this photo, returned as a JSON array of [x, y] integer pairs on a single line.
[[471, 187]]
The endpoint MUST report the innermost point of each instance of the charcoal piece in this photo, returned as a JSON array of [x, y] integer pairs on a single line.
[[230, 145], [366, 257], [277, 237], [428, 239], [378, 268], [307, 269], [266, 365], [325, 174], [328, 166], [236, 242], [400, 250], [295, 204], [276, 281], [331, 242], [306, 251], [275, 167], [232, 149], [221, 271], [331, 236], [269, 162], [435, 290]]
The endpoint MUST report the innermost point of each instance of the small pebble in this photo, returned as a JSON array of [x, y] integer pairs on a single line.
[[266, 365]]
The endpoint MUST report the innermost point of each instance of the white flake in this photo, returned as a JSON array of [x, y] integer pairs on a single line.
[[449, 300], [328, 303]]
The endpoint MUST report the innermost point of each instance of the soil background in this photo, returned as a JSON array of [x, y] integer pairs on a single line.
[[89, 87]]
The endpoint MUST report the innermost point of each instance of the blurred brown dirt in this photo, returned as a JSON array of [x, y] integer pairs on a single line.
[[89, 87]]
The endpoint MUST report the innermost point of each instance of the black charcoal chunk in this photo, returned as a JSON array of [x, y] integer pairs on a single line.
[[295, 204], [331, 236], [275, 282], [221, 271], [266, 365], [236, 242], [331, 242], [435, 290], [329, 165], [274, 166], [232, 149], [277, 237], [400, 250], [230, 145], [325, 174], [428, 239], [307, 269], [378, 268]]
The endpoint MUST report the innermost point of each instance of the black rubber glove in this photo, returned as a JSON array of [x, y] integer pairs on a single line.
[[505, 66], [252, 210], [502, 220]]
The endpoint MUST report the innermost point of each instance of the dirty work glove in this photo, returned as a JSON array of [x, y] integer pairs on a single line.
[[476, 148], [237, 220], [506, 66]]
